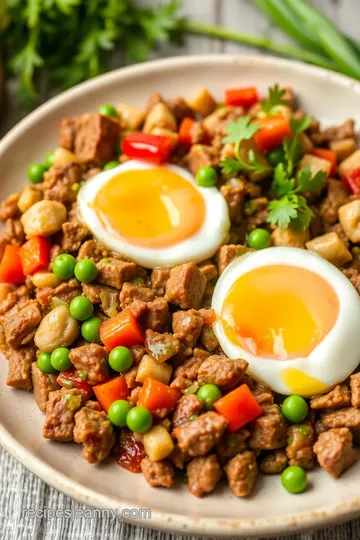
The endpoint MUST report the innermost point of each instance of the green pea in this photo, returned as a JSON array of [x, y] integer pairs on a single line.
[[121, 359], [81, 308], [259, 239], [110, 165], [60, 359], [90, 330], [206, 177], [108, 110], [295, 409], [36, 173], [85, 270], [294, 479], [63, 266], [139, 419], [44, 362], [118, 411], [276, 156], [49, 160], [209, 393]]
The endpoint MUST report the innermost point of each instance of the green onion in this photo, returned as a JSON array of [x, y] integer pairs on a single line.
[[191, 389]]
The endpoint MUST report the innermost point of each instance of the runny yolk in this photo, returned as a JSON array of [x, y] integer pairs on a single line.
[[279, 311], [151, 208]]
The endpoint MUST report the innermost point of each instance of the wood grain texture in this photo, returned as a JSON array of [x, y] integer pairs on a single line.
[[21, 490]]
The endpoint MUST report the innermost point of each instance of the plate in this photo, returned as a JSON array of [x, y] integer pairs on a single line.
[[270, 510]]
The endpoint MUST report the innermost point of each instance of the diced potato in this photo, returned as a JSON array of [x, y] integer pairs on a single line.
[[331, 248], [315, 164], [306, 143], [202, 102], [290, 238], [45, 279], [165, 133], [212, 120], [160, 116], [350, 163], [149, 368], [349, 217], [343, 148], [28, 197], [63, 157], [5, 289], [158, 443], [131, 117]]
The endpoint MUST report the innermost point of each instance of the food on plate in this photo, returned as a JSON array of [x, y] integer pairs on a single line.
[[179, 286]]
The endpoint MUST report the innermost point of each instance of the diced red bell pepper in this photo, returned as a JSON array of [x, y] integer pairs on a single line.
[[11, 270], [129, 452], [71, 378], [352, 181], [272, 130], [238, 407], [110, 391], [244, 97], [122, 329], [153, 148], [185, 128], [35, 255], [156, 396], [329, 155]]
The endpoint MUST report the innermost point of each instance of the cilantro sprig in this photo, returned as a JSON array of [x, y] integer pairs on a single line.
[[240, 130], [274, 100]]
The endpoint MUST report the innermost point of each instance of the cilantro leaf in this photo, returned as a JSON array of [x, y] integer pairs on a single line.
[[281, 184], [292, 145], [306, 182], [242, 129], [269, 106], [304, 215], [282, 211], [231, 166]]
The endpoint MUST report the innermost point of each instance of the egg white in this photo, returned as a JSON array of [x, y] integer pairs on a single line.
[[334, 358], [197, 248]]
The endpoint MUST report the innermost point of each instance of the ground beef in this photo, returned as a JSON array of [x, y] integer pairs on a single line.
[[43, 384], [158, 473], [186, 406], [334, 451], [138, 351], [347, 417], [203, 474], [94, 429], [130, 377], [335, 399], [180, 109], [337, 195], [134, 395], [189, 369], [263, 394], [107, 297], [66, 291], [114, 273], [355, 389], [9, 207], [73, 235], [159, 277], [200, 156], [335, 133], [300, 440], [209, 269], [19, 367], [14, 232], [187, 326], [198, 437], [130, 292], [231, 444], [227, 254], [353, 276], [241, 472], [93, 137], [221, 371], [186, 286], [92, 359], [21, 322], [268, 432], [93, 250], [161, 346], [153, 315], [274, 462], [208, 339], [61, 408], [234, 196], [59, 183]]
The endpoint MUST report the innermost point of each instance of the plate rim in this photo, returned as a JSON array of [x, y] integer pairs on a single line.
[[172, 522]]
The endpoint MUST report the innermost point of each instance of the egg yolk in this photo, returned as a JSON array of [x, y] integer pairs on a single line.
[[279, 311], [154, 208]]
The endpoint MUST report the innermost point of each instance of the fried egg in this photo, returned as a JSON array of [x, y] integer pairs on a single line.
[[293, 316], [156, 216]]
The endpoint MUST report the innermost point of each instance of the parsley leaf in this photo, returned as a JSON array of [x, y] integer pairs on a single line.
[[281, 184], [308, 183], [242, 129], [281, 212], [304, 215], [276, 98], [292, 145]]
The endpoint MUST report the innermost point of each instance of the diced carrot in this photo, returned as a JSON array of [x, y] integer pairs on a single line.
[[110, 391], [156, 396], [272, 130], [11, 270], [185, 131], [238, 407], [244, 97], [35, 254], [329, 155], [122, 329]]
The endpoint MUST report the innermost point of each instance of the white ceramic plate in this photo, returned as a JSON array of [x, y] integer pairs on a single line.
[[270, 510]]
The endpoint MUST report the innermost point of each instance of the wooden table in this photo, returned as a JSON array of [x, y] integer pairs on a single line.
[[19, 489]]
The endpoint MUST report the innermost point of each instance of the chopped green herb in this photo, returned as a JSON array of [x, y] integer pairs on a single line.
[[275, 99]]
